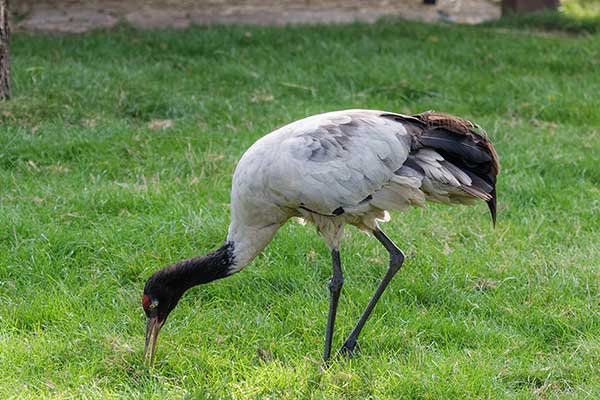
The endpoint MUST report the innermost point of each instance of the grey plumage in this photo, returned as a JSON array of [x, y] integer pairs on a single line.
[[353, 166]]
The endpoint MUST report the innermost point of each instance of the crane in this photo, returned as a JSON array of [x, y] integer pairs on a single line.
[[334, 169]]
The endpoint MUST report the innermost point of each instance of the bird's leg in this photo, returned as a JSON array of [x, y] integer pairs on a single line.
[[335, 288], [396, 260]]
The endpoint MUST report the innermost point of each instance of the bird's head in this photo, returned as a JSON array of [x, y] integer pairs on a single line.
[[166, 286], [161, 295]]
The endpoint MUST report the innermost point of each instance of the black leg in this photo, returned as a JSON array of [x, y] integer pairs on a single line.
[[335, 288], [396, 260]]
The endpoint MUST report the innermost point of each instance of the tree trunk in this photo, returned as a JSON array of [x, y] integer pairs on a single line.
[[4, 54], [527, 6]]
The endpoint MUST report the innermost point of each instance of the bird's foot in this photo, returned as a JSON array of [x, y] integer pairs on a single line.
[[349, 349]]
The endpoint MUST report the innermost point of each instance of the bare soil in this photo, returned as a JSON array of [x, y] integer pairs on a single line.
[[76, 16]]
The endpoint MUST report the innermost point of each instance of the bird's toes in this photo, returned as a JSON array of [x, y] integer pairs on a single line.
[[349, 349]]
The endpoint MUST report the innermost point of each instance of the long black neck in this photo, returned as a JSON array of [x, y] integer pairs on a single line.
[[197, 270]]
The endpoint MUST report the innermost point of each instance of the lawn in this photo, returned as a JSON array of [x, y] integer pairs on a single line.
[[116, 156]]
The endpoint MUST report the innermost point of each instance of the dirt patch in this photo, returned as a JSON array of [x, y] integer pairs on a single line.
[[73, 16]]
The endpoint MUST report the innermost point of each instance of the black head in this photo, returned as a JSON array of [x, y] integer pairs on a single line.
[[161, 295], [165, 287]]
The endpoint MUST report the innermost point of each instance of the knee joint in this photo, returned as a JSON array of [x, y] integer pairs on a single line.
[[396, 260], [336, 283]]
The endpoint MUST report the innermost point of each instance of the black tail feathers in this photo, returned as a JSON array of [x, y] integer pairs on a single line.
[[462, 143], [492, 206], [465, 145]]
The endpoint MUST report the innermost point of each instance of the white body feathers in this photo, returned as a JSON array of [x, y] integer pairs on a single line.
[[345, 167]]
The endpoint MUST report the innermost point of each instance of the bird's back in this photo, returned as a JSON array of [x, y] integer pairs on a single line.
[[340, 159], [325, 161]]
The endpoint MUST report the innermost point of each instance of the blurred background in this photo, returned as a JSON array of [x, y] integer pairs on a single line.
[[80, 16]]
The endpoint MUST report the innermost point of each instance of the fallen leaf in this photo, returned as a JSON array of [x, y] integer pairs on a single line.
[[160, 124], [33, 165], [262, 98], [90, 122], [59, 168]]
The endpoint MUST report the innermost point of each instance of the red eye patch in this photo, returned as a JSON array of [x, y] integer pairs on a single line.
[[145, 301]]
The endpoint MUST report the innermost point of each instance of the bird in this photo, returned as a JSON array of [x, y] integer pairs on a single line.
[[334, 169]]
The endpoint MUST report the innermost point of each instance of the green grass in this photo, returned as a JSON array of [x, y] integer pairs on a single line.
[[581, 8], [573, 17], [92, 201], [545, 22]]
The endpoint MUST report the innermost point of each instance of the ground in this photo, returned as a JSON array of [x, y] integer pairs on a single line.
[[116, 155], [81, 16]]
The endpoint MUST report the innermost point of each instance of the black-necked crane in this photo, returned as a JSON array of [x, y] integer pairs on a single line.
[[333, 169]]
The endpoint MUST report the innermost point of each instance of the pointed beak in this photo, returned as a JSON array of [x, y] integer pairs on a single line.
[[153, 326]]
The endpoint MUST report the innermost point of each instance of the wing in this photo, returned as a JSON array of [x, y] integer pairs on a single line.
[[338, 160]]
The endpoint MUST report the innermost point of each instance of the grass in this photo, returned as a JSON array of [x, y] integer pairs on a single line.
[[573, 17], [581, 8], [94, 198], [547, 21]]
